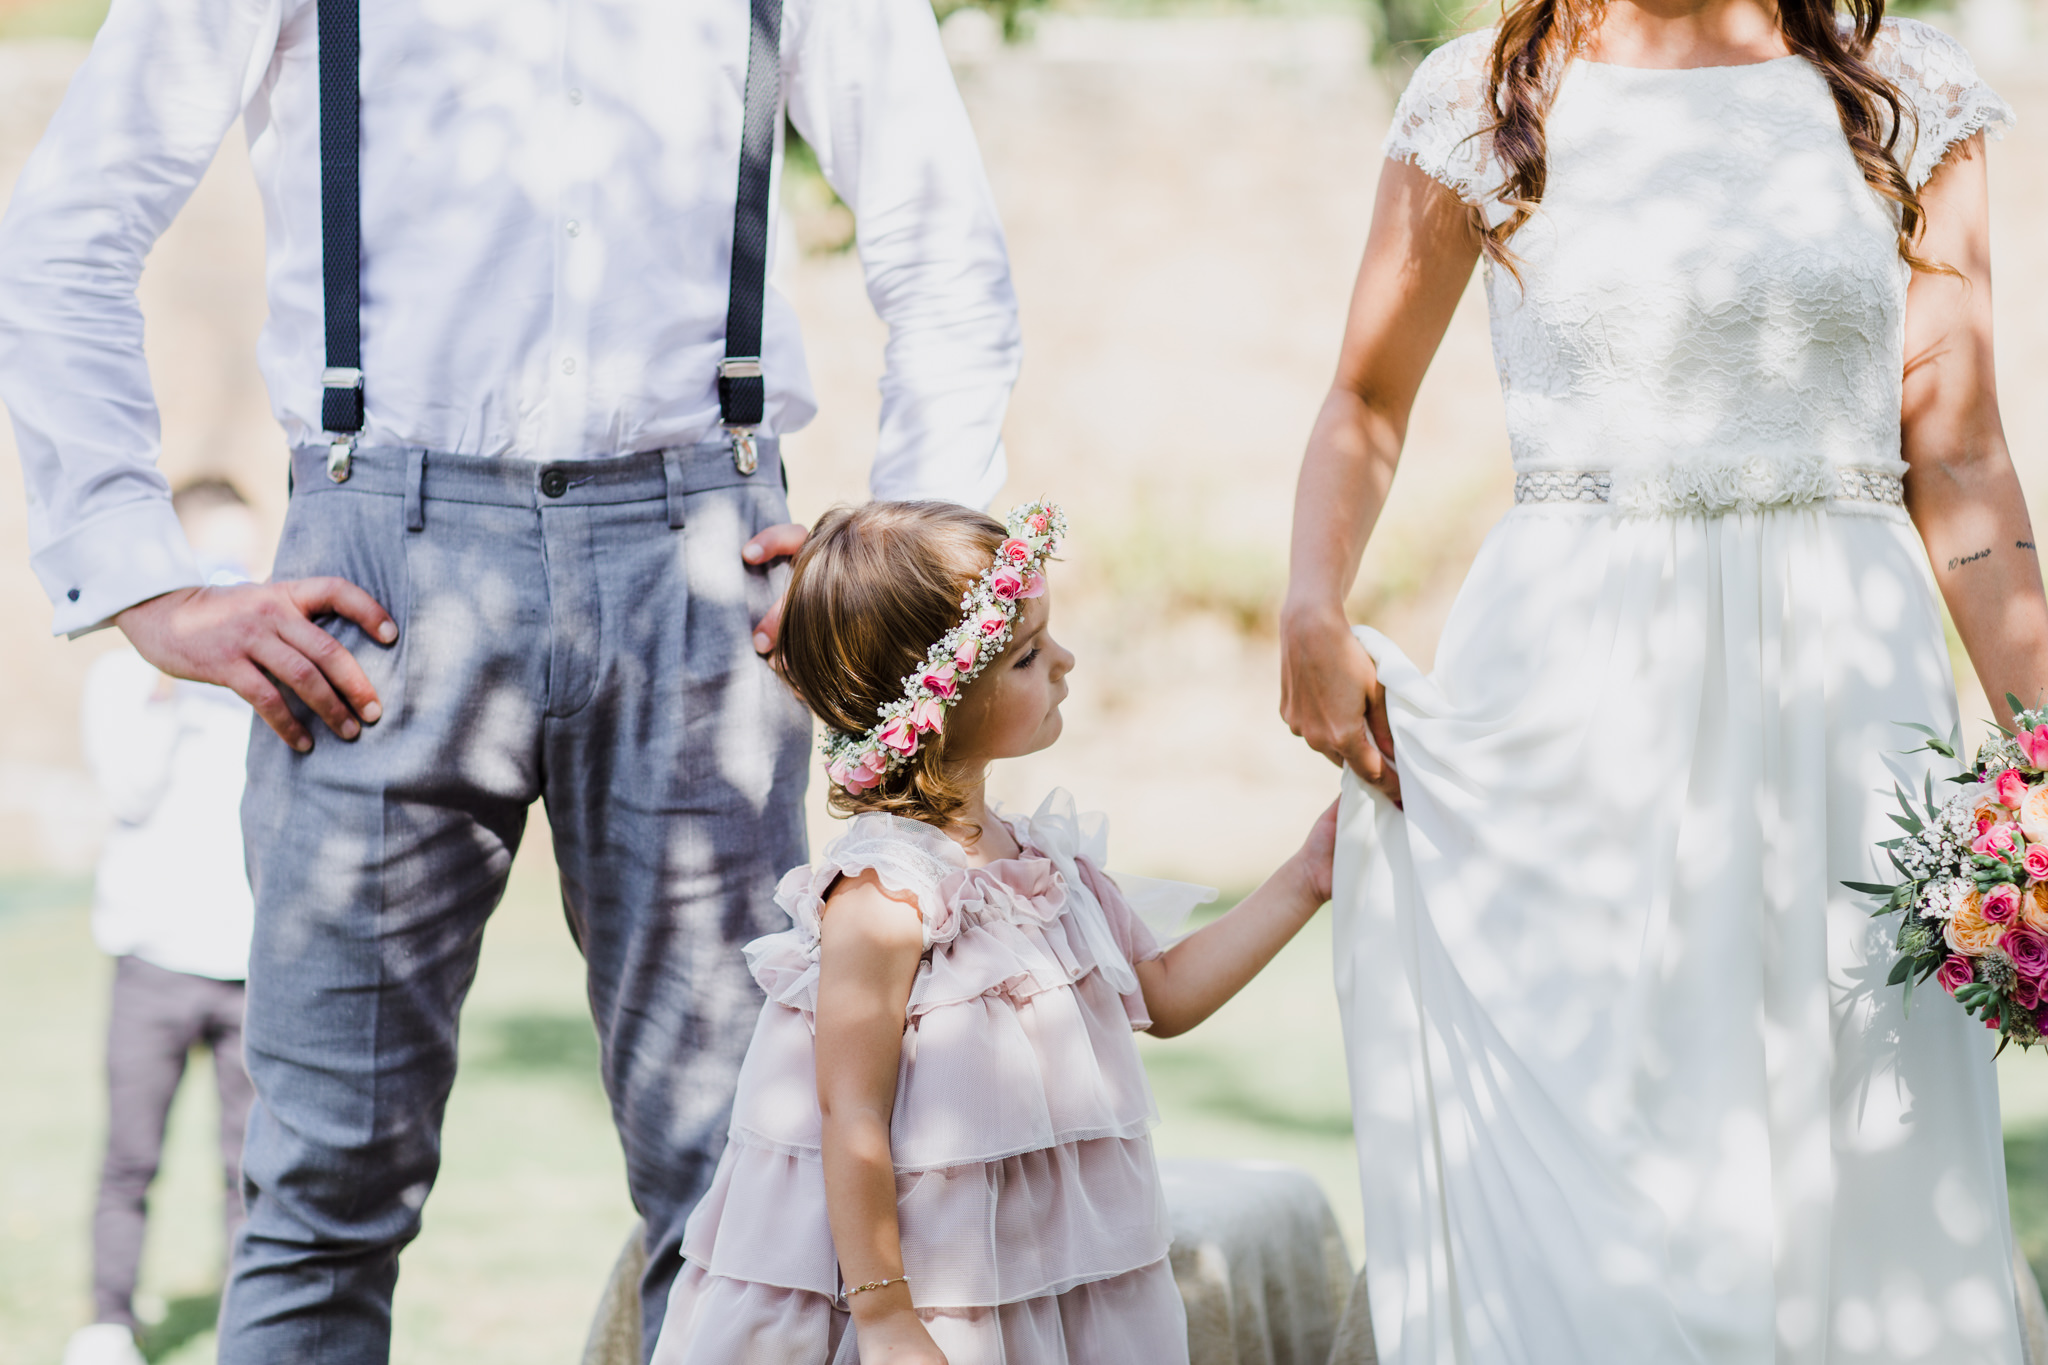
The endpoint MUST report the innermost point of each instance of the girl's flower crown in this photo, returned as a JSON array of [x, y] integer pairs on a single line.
[[988, 616]]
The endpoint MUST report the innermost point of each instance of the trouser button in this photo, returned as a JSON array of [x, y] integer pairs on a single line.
[[554, 482]]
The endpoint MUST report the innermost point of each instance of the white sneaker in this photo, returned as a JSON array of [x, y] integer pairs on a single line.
[[103, 1343]]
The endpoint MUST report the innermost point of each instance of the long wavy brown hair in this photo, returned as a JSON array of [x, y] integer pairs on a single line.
[[1537, 39]]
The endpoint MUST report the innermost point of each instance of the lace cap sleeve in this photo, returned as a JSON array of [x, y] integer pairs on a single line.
[[1437, 124], [1935, 74]]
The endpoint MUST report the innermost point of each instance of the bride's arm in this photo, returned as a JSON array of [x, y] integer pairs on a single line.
[[1960, 485], [1418, 256]]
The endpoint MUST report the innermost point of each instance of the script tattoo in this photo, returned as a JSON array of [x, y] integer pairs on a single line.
[[1984, 553], [2023, 544]]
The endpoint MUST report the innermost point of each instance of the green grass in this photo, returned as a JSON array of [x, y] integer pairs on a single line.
[[51, 18]]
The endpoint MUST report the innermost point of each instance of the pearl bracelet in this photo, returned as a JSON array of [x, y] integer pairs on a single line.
[[875, 1284]]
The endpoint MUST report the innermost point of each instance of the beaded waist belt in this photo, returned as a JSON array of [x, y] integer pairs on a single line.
[[1713, 489]]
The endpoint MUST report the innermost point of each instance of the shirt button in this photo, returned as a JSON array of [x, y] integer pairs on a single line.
[[575, 97], [574, 227], [569, 364], [554, 482]]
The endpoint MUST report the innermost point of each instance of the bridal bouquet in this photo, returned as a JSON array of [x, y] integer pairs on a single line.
[[1974, 902]]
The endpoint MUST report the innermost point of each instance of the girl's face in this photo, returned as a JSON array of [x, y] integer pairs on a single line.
[[1013, 708]]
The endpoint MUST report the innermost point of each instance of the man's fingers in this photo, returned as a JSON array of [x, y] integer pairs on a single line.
[[319, 596], [769, 629], [251, 686], [777, 542], [340, 668], [293, 669]]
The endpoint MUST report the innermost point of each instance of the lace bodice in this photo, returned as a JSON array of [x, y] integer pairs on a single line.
[[1712, 305]]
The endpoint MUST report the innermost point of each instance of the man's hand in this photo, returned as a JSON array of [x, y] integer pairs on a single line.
[[777, 542], [1331, 695], [252, 637]]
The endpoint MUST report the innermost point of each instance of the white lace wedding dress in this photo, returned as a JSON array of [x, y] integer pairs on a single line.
[[1629, 1087]]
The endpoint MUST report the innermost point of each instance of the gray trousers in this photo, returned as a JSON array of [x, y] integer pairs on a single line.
[[157, 1017], [577, 634]]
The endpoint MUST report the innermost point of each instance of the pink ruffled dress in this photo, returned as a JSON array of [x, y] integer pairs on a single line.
[[1033, 1227]]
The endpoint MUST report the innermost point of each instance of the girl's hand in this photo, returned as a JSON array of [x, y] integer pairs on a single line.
[[1318, 854], [897, 1337], [1331, 695]]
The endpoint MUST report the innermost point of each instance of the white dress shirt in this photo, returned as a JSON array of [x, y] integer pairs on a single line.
[[172, 887], [548, 191]]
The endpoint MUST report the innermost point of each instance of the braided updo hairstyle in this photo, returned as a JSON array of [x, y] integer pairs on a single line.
[[873, 588]]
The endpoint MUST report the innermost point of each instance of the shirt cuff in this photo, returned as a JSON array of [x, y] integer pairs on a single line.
[[127, 555]]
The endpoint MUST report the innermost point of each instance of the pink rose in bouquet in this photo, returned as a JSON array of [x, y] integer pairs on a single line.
[[2028, 949], [2026, 992], [2002, 904], [1996, 840], [1955, 972], [2034, 745], [2011, 788], [2036, 862]]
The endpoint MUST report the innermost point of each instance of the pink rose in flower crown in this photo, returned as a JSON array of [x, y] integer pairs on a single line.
[[1039, 523], [900, 735], [2035, 745], [2002, 904], [929, 716], [1014, 551], [1034, 585], [1996, 840], [859, 775], [940, 681], [1955, 972], [964, 657], [991, 621], [2011, 788], [2036, 862], [1007, 584]]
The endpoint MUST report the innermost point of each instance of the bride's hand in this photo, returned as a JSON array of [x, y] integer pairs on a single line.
[[1331, 695]]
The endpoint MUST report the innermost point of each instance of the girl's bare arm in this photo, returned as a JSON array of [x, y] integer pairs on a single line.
[[870, 943], [1418, 256], [1960, 485]]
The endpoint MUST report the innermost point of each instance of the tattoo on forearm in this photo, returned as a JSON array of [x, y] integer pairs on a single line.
[[2023, 544], [1958, 563]]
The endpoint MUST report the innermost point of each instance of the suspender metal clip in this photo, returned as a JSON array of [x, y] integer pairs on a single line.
[[340, 456], [745, 458]]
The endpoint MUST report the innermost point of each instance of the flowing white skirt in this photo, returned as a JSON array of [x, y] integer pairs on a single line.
[[1629, 1086]]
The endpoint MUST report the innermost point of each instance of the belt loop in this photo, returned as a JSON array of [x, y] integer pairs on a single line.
[[672, 473], [415, 496]]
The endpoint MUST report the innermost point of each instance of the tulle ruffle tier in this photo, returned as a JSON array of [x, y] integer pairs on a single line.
[[1131, 1319]]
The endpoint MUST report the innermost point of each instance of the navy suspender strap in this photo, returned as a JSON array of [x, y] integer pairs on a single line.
[[341, 229], [742, 392]]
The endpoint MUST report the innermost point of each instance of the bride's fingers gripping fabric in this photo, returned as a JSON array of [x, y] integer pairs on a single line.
[[1319, 852]]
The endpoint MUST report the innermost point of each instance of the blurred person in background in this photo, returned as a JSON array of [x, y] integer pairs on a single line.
[[535, 387], [171, 906]]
